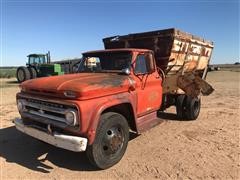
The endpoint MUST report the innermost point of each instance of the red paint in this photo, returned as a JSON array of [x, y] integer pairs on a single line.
[[98, 91]]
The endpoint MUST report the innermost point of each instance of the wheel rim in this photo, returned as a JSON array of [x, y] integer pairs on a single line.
[[112, 141], [21, 75]]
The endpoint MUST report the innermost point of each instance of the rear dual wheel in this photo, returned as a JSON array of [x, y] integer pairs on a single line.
[[181, 106], [187, 107], [110, 142]]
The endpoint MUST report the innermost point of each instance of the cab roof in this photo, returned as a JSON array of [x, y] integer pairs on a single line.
[[36, 55]]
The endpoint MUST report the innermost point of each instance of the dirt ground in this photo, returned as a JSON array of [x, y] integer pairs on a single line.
[[207, 148]]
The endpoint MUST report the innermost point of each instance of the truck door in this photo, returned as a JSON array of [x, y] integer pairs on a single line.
[[148, 84]]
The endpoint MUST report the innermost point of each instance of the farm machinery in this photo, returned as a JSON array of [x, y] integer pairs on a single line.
[[40, 65]]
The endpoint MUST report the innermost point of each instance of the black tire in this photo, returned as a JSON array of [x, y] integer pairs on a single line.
[[181, 106], [33, 72], [22, 74], [193, 106], [110, 142]]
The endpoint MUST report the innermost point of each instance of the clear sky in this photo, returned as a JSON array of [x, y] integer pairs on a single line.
[[67, 28]]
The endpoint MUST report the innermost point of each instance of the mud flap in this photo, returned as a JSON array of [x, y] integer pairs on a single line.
[[193, 85]]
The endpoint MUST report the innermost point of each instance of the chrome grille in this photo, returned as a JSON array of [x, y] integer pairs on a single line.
[[45, 109]]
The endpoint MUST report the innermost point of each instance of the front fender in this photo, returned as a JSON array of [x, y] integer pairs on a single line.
[[109, 102]]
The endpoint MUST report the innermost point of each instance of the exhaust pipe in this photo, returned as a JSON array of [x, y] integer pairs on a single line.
[[48, 57]]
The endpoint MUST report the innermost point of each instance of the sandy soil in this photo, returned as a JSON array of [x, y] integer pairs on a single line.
[[207, 148]]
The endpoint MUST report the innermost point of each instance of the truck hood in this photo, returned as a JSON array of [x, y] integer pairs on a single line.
[[85, 85]]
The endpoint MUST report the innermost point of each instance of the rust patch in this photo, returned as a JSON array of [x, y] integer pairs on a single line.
[[109, 81]]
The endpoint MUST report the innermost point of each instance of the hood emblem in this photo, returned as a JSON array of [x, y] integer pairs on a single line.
[[41, 111]]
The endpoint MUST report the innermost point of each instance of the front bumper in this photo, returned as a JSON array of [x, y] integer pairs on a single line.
[[72, 143]]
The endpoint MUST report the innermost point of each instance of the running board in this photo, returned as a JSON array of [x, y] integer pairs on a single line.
[[148, 121]]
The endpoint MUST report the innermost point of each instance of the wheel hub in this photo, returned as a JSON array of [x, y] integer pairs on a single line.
[[113, 140]]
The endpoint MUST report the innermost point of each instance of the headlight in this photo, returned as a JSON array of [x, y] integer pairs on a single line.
[[71, 118], [20, 105]]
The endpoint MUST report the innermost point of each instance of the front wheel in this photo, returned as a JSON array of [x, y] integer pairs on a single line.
[[110, 142]]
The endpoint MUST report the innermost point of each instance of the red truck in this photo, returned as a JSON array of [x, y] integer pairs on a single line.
[[116, 90]]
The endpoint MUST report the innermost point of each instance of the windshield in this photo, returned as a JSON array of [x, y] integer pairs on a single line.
[[37, 60], [105, 61]]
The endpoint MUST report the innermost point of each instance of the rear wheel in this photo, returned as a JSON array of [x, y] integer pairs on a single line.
[[187, 107], [33, 72], [193, 106], [22, 74], [181, 106], [110, 142]]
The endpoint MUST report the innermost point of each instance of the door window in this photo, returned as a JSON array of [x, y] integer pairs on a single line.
[[144, 64]]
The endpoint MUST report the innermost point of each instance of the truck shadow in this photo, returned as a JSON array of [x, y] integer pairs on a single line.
[[13, 82], [169, 116], [15, 147]]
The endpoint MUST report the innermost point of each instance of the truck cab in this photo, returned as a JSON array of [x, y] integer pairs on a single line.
[[140, 68], [114, 91]]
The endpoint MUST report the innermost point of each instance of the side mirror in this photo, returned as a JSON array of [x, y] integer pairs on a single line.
[[126, 71]]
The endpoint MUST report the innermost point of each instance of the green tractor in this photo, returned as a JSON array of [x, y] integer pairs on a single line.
[[38, 65]]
